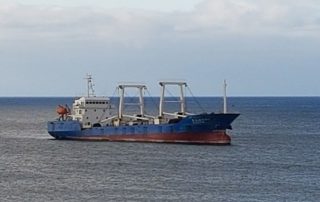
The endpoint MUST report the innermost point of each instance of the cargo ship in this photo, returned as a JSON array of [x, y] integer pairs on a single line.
[[91, 118]]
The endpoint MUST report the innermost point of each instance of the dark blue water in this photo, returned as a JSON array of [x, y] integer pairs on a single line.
[[274, 156]]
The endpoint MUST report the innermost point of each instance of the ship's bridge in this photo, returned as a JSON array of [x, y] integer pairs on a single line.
[[92, 102]]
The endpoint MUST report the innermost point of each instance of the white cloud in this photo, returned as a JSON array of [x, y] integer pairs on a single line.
[[132, 26], [255, 17]]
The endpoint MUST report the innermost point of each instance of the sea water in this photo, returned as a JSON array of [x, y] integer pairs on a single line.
[[274, 156]]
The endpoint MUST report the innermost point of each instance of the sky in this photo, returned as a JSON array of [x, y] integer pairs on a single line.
[[262, 48]]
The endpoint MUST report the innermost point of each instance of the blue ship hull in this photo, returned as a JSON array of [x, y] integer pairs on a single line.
[[196, 129]]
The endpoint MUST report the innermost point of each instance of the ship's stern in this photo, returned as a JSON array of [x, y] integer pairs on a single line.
[[64, 129]]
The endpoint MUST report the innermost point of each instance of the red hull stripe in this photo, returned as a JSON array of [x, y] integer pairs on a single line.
[[199, 138]]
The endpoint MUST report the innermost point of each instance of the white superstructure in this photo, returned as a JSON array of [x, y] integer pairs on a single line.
[[91, 110]]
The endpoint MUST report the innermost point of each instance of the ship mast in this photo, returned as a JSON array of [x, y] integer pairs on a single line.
[[181, 101], [90, 85], [225, 97], [122, 88]]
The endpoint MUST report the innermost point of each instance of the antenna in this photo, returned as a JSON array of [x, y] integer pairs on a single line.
[[90, 85], [225, 97]]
